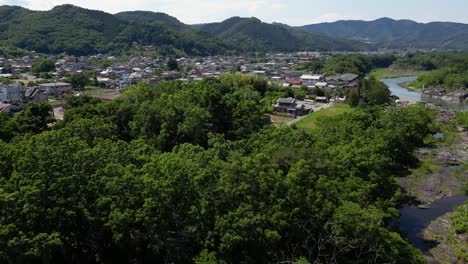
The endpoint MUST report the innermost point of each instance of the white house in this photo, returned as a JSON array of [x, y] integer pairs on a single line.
[[311, 80]]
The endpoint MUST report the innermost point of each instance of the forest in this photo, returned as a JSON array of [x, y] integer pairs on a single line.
[[359, 64], [448, 70], [193, 173]]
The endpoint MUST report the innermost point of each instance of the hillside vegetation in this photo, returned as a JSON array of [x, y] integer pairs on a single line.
[[251, 34], [80, 31], [400, 34], [448, 70]]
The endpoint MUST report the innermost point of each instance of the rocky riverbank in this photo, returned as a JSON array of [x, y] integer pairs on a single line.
[[446, 244], [443, 172], [458, 96]]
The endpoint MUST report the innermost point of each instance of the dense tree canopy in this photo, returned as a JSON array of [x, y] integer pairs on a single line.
[[42, 66], [448, 70], [349, 63], [182, 173]]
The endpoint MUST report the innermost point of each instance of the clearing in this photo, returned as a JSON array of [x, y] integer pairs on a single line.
[[309, 122]]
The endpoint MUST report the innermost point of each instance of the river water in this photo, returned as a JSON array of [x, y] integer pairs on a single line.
[[414, 220], [404, 94]]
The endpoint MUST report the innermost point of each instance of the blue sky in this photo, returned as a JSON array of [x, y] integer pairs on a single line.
[[293, 12]]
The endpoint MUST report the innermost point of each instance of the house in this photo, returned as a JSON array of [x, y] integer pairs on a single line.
[[342, 80], [9, 108], [321, 85], [10, 94], [125, 82], [172, 75], [292, 106], [311, 80], [354, 85], [349, 77], [34, 94], [56, 88], [321, 99], [292, 82]]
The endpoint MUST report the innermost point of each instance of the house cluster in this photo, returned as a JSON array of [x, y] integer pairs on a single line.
[[118, 74], [13, 95]]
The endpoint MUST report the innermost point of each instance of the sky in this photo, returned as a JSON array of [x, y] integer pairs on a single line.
[[292, 12]]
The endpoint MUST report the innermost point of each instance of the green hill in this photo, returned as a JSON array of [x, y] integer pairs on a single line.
[[80, 31], [153, 18], [251, 34], [389, 33]]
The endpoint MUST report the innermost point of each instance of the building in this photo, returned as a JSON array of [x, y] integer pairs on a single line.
[[34, 94], [292, 107], [10, 94], [343, 80], [311, 80], [125, 82], [9, 108], [56, 88]]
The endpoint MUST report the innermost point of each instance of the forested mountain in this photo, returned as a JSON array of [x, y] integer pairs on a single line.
[[80, 31], [253, 34], [386, 32], [154, 18]]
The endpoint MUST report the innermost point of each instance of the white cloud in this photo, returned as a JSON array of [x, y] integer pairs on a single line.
[[332, 17], [293, 12], [189, 11]]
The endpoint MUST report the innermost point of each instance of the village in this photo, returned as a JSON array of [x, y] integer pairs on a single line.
[[110, 77]]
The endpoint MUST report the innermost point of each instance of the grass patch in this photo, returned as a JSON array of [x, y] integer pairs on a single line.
[[97, 90], [55, 103], [428, 166], [280, 119], [310, 121], [394, 73], [409, 86]]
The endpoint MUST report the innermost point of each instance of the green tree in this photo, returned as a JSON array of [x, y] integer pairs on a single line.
[[172, 64], [34, 118], [79, 81], [42, 66]]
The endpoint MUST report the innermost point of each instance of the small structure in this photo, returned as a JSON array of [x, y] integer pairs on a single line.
[[56, 88], [125, 82], [9, 108], [10, 94], [342, 80], [34, 94], [292, 107], [321, 99], [311, 80]]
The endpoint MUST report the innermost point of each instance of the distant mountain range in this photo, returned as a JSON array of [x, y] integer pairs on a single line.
[[252, 34], [389, 33], [80, 31]]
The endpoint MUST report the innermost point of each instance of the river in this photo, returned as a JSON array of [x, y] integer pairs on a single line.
[[404, 94], [414, 220]]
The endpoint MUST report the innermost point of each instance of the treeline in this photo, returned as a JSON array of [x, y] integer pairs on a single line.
[[9, 52], [359, 64], [448, 70], [182, 173]]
